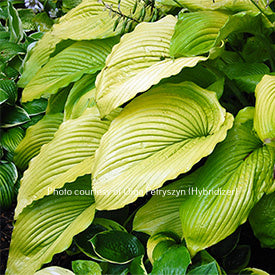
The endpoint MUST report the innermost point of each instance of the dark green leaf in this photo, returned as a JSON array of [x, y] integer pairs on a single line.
[[82, 240], [10, 88], [81, 267], [11, 138], [237, 259], [35, 107], [225, 246], [4, 36], [12, 116], [43, 22], [8, 177], [117, 246], [27, 16], [8, 50], [262, 220], [137, 266], [203, 263], [175, 261], [3, 96]]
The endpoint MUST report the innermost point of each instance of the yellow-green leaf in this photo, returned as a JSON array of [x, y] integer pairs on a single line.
[[226, 5], [158, 136], [36, 136], [264, 120], [68, 66], [48, 225], [69, 155], [139, 61], [231, 182]]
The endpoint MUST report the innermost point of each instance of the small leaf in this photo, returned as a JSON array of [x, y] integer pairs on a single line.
[[35, 107], [117, 246], [3, 96], [11, 138], [81, 267], [9, 87], [82, 240], [262, 220], [175, 261], [237, 259], [13, 116], [9, 50]]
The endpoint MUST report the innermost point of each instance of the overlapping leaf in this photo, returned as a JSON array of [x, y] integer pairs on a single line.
[[231, 5], [80, 96], [199, 32], [36, 136], [161, 213], [87, 21], [68, 66], [48, 225], [155, 138], [231, 182], [69, 155], [139, 61], [262, 220], [264, 110], [8, 177]]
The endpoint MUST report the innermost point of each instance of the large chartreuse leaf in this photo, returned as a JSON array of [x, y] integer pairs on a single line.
[[54, 270], [36, 136], [88, 21], [80, 97], [226, 5], [198, 32], [262, 220], [68, 66], [8, 177], [161, 212], [69, 155], [264, 122], [139, 61], [91, 19], [47, 226], [159, 135], [231, 182], [38, 57]]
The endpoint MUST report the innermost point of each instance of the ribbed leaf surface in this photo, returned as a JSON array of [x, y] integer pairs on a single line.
[[11, 138], [87, 21], [264, 122], [48, 225], [79, 96], [231, 5], [239, 172], [39, 56], [161, 212], [8, 177], [198, 32], [69, 155], [155, 138], [262, 220], [140, 60], [68, 66], [37, 135]]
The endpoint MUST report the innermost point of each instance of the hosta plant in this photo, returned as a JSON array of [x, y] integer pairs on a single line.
[[174, 99]]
